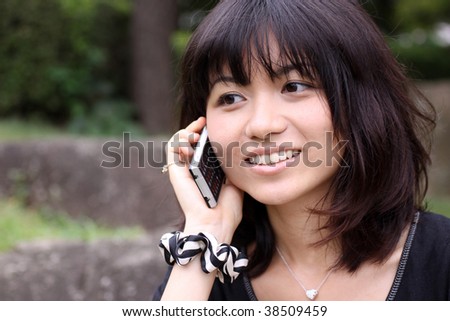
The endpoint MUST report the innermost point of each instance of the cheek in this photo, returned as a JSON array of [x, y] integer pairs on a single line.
[[223, 134], [317, 125], [226, 148]]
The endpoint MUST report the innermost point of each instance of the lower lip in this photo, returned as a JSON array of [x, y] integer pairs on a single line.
[[273, 169]]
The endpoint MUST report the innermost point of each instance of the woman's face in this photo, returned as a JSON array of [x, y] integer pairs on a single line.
[[274, 136]]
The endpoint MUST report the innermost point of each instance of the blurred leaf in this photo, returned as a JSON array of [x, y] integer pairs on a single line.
[[421, 13], [58, 55]]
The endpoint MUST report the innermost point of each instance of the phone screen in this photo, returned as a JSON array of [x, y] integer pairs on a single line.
[[206, 171]]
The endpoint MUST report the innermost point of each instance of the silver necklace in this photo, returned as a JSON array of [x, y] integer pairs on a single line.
[[310, 293]]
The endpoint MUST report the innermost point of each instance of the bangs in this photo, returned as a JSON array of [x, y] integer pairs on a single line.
[[258, 37], [242, 57], [239, 37]]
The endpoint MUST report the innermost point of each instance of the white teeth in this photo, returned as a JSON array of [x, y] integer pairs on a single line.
[[273, 158]]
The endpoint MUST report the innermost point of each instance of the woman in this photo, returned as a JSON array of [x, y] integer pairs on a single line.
[[324, 145]]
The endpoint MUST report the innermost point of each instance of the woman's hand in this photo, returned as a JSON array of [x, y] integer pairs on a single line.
[[220, 221]]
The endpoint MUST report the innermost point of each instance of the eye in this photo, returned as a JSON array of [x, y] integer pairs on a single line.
[[295, 87], [230, 99]]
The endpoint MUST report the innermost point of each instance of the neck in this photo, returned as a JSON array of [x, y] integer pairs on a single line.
[[296, 231]]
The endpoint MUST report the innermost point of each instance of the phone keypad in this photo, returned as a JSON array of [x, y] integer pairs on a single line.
[[211, 170]]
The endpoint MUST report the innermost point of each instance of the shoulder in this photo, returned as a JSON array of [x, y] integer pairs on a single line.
[[435, 218], [425, 266], [432, 239], [433, 229]]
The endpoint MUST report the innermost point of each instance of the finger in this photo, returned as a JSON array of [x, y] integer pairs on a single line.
[[179, 147], [181, 139], [197, 125], [182, 145]]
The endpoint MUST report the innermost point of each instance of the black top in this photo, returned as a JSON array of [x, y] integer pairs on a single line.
[[423, 273]]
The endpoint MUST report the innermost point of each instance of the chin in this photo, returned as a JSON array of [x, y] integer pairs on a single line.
[[272, 198]]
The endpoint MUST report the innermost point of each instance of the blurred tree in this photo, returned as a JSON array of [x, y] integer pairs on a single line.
[[421, 13], [69, 61], [395, 16], [415, 32], [59, 59], [382, 11], [191, 12], [153, 22]]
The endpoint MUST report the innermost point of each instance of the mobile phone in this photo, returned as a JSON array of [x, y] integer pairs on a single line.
[[206, 171]]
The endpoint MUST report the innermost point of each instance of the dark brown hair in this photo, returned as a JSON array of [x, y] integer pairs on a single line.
[[385, 120]]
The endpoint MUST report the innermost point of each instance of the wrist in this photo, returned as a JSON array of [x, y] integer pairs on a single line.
[[220, 232], [221, 258]]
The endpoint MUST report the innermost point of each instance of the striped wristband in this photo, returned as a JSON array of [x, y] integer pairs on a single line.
[[179, 248]]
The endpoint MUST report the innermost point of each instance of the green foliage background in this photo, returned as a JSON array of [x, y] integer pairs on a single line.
[[68, 61], [61, 60]]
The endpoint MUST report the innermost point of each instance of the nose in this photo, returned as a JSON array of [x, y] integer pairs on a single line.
[[265, 120]]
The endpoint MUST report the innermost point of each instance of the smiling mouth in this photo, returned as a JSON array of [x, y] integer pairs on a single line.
[[273, 158]]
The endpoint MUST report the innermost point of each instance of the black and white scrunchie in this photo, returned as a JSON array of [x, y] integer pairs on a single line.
[[179, 248]]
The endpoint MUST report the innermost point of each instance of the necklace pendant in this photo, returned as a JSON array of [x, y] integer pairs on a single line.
[[311, 294]]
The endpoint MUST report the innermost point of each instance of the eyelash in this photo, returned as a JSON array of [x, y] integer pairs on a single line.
[[223, 98], [300, 84]]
